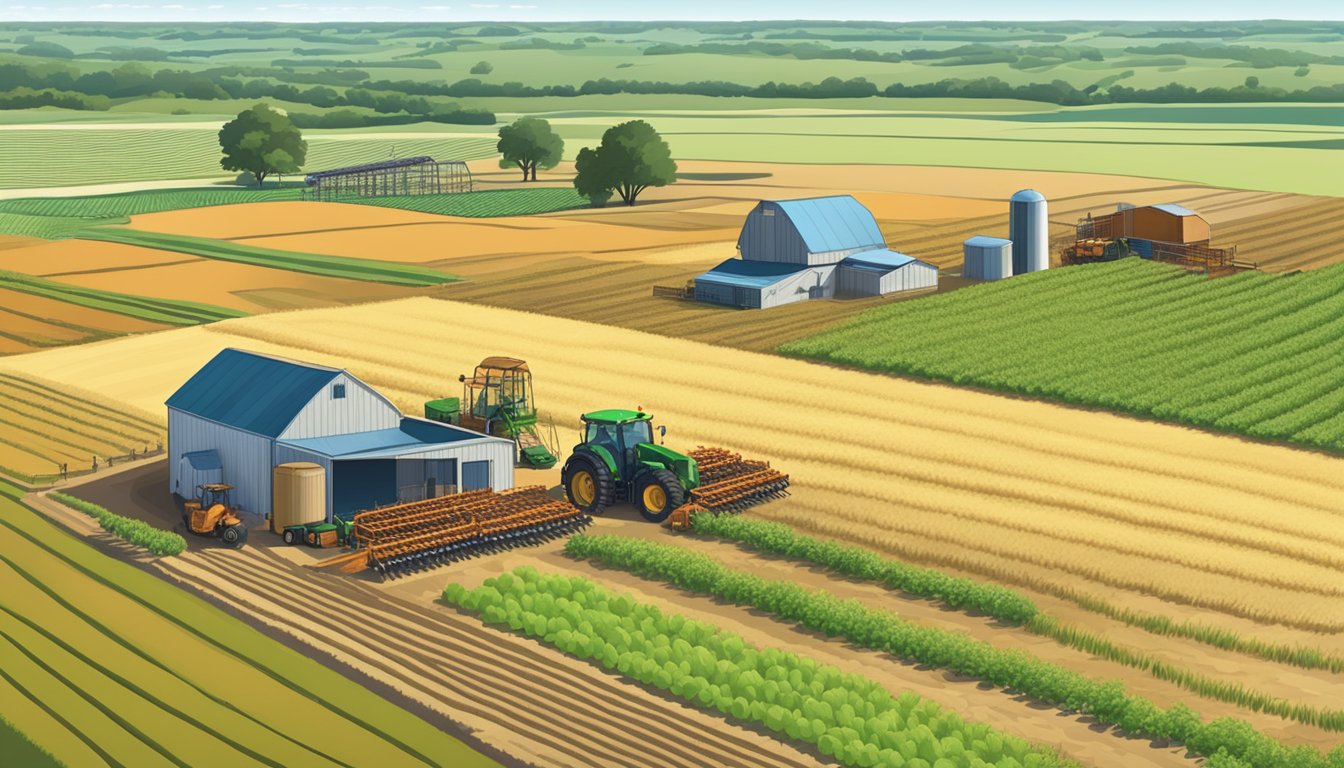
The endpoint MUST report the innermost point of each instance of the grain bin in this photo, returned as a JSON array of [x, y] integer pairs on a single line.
[[298, 496], [987, 258], [1029, 229]]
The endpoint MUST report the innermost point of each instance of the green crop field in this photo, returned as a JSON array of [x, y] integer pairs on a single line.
[[501, 202], [331, 266], [47, 157], [107, 665], [67, 210], [167, 311], [1254, 354]]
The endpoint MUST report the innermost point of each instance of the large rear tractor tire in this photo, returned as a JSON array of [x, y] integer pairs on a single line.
[[657, 493], [234, 536], [588, 483]]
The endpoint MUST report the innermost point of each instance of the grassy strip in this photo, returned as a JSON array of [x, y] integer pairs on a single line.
[[329, 266], [487, 204], [50, 227], [10, 490], [993, 600], [849, 717], [168, 311], [136, 532], [20, 751], [121, 205], [417, 741], [1014, 670]]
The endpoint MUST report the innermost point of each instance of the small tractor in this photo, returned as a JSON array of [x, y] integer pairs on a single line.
[[211, 514], [619, 461], [499, 401], [320, 535]]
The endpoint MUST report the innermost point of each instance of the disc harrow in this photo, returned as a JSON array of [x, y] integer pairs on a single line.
[[730, 483], [423, 534]]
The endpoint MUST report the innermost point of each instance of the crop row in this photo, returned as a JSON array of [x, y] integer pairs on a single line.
[[119, 206], [500, 202], [137, 532], [943, 649], [846, 716], [993, 600], [330, 266], [1132, 336], [166, 311]]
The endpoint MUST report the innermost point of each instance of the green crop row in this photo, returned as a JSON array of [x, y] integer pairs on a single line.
[[846, 716], [1254, 354], [167, 311], [136, 532], [959, 653], [778, 539], [491, 203], [330, 266], [119, 206], [999, 602], [19, 750]]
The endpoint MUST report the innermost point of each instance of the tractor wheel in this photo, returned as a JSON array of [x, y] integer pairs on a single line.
[[291, 537], [588, 484], [234, 536], [657, 493]]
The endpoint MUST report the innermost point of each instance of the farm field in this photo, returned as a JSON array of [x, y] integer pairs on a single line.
[[106, 664], [1260, 358], [46, 425]]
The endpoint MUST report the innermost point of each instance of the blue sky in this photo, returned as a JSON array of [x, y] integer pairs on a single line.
[[551, 10]]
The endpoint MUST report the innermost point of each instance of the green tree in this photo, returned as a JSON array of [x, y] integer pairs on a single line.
[[631, 158], [482, 68], [262, 141], [529, 143], [1252, 82]]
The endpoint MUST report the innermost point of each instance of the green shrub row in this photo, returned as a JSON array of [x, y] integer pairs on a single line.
[[943, 649], [846, 716], [778, 539], [346, 267], [993, 600], [136, 532]]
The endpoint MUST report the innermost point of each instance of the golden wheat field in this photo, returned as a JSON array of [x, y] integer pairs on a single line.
[[1021, 491]]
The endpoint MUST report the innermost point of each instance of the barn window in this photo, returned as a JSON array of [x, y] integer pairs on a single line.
[[768, 212], [338, 392]]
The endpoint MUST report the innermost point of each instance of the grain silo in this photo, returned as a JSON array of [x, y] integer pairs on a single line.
[[987, 258], [1029, 229], [299, 495]]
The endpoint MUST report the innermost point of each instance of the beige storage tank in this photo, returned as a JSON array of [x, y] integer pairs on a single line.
[[298, 495]]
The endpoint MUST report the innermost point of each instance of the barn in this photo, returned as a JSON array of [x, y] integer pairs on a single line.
[[244, 413], [813, 248]]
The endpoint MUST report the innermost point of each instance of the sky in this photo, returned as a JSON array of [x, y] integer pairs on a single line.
[[562, 10]]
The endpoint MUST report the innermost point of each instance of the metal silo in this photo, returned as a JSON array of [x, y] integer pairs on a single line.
[[1029, 229]]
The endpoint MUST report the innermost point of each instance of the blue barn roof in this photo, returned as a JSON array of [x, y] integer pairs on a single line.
[[413, 436], [251, 391], [1175, 210], [742, 273], [881, 259], [836, 223]]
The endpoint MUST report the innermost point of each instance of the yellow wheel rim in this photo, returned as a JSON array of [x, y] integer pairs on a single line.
[[655, 498], [583, 487]]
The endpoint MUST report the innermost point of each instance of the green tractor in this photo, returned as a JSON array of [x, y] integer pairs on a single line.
[[618, 461], [320, 535]]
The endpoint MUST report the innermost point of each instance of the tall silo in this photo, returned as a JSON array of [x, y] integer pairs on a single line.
[[1029, 229]]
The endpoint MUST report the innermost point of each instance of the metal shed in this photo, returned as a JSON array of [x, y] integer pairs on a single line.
[[254, 412], [763, 284], [809, 231], [880, 272]]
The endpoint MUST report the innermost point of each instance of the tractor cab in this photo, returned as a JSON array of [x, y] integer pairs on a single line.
[[618, 460], [497, 399]]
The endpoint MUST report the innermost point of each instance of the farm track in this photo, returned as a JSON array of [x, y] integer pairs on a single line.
[[574, 717]]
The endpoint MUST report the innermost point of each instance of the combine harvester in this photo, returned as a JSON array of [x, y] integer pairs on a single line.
[[423, 534], [499, 401]]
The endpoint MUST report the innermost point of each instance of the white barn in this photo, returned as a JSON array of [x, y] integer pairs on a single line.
[[245, 413]]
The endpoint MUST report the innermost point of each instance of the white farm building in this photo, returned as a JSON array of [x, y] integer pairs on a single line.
[[814, 248], [243, 414]]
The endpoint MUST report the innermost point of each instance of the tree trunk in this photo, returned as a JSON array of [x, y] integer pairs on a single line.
[[523, 164], [261, 177], [534, 171]]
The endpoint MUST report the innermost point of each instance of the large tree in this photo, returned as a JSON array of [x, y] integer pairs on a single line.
[[529, 143], [262, 141], [631, 158]]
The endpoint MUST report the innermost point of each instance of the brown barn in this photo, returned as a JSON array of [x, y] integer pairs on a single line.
[[1166, 223]]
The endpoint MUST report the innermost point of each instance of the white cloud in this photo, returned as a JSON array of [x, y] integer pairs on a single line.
[[520, 7], [173, 7], [213, 7], [436, 7], [290, 6]]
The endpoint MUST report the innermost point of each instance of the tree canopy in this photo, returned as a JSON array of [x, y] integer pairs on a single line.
[[529, 143], [631, 158], [262, 141]]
